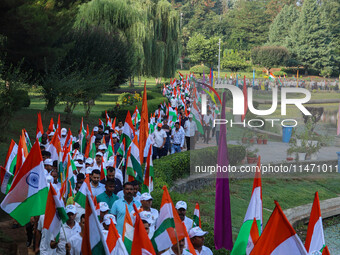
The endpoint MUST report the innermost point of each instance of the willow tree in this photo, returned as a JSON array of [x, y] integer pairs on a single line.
[[162, 46], [150, 27]]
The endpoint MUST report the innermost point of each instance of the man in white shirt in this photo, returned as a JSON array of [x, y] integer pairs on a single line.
[[69, 229], [74, 243], [159, 114], [43, 239], [63, 137], [159, 137], [181, 207], [174, 249], [196, 236], [173, 102], [192, 132]]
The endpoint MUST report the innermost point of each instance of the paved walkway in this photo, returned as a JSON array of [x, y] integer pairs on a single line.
[[276, 152]]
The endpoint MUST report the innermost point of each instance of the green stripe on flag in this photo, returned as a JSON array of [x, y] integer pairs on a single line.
[[98, 249], [33, 206], [241, 243]]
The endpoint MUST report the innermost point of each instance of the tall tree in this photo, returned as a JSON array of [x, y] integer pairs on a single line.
[[33, 29], [310, 39], [279, 29], [250, 24], [151, 27]]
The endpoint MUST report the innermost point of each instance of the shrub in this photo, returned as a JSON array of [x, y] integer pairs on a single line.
[[176, 166], [199, 69], [280, 73], [269, 56], [22, 99]]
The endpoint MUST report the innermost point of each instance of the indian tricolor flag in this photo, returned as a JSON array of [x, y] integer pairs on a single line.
[[326, 251], [136, 116], [127, 134], [128, 230], [315, 239], [40, 128], [54, 147], [82, 137], [253, 237], [5, 180], [94, 242], [90, 151], [141, 244], [271, 77], [197, 117], [165, 234], [254, 211], [148, 173], [134, 168], [11, 157], [55, 213], [197, 216], [114, 241], [85, 188], [22, 153], [278, 237], [51, 127], [28, 193]]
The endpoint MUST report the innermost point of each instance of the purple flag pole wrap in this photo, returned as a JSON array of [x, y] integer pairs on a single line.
[[222, 228]]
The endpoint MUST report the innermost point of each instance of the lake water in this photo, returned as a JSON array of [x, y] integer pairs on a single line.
[[332, 238]]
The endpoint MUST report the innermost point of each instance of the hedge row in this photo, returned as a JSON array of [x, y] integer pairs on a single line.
[[176, 166]]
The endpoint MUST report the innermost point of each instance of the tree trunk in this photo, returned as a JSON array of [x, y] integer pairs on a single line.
[[139, 80], [50, 104]]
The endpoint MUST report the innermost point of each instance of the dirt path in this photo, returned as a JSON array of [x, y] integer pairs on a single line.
[[13, 241]]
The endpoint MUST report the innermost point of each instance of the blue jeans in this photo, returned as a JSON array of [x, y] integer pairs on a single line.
[[175, 148]]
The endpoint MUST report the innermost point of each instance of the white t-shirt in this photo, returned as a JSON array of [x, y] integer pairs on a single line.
[[45, 242], [193, 128], [205, 251], [187, 128], [208, 120], [75, 242], [188, 223], [173, 102], [69, 232], [154, 217], [158, 137]]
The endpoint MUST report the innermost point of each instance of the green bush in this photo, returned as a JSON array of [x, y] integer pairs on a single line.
[[22, 99], [176, 166], [280, 73], [199, 69], [121, 111]]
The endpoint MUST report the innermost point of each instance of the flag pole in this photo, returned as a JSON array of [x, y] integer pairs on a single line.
[[62, 226], [179, 250]]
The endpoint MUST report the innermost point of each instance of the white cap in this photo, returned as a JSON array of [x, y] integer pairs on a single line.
[[103, 206], [145, 215], [115, 136], [110, 163], [51, 134], [63, 131], [89, 161], [48, 161], [88, 170], [145, 197], [196, 231], [95, 129], [99, 154], [71, 209], [102, 147], [181, 204], [80, 157], [77, 164], [191, 116], [107, 219], [106, 132]]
